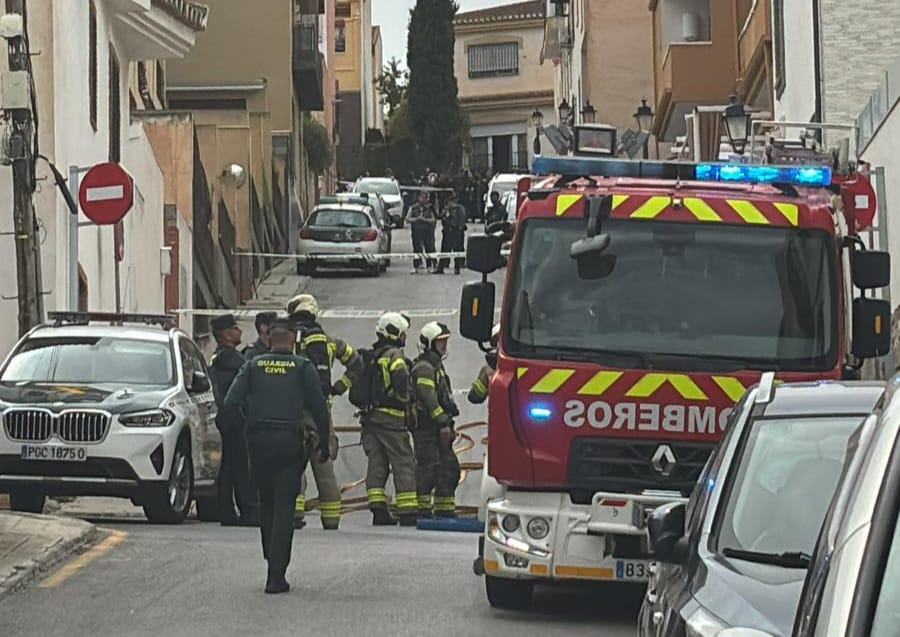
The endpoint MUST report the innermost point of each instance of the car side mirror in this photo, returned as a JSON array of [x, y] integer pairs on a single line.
[[200, 383], [665, 526], [871, 328], [476, 312], [871, 269], [483, 253]]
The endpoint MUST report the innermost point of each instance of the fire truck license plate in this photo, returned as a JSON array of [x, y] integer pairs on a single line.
[[68, 454], [636, 570]]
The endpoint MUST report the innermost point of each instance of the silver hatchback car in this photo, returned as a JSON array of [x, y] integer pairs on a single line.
[[344, 232]]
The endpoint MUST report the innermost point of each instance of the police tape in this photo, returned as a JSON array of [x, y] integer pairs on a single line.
[[359, 256]]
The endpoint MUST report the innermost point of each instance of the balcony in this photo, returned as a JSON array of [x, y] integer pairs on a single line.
[[754, 39], [307, 65], [156, 29]]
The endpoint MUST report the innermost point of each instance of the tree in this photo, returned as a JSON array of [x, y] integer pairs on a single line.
[[392, 85], [317, 144], [434, 112]]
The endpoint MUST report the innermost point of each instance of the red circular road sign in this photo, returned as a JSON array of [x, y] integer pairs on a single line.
[[859, 200], [106, 193]]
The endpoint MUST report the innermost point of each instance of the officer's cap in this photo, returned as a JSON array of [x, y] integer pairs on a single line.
[[223, 322]]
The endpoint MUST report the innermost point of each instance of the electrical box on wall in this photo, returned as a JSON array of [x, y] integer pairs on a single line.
[[15, 91]]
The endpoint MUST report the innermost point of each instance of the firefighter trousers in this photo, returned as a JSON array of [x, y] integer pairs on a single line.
[[329, 492], [388, 450], [437, 472]]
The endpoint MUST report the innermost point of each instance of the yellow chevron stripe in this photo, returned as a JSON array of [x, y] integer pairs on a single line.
[[651, 208], [618, 200], [747, 211], [732, 387], [521, 372], [790, 212], [552, 381], [682, 383], [701, 210], [565, 202], [599, 383]]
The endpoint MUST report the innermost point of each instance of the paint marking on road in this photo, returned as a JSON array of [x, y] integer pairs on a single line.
[[92, 554]]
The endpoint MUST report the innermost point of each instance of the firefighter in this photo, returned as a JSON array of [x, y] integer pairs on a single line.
[[386, 425], [453, 234], [322, 350], [234, 483], [437, 469], [263, 322], [277, 388], [478, 393]]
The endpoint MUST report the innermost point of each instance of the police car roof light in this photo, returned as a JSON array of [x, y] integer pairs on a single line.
[[85, 318], [765, 391], [765, 174]]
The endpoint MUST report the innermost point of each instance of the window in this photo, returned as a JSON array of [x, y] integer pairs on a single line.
[[778, 47], [92, 63], [342, 10], [491, 60], [161, 83], [340, 219], [340, 38], [115, 108]]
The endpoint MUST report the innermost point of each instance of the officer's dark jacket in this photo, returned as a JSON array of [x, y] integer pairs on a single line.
[[455, 218], [434, 396], [257, 349], [276, 388], [418, 211], [224, 366], [495, 213], [322, 350]]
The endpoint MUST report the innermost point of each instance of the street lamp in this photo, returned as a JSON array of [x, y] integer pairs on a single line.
[[565, 112], [588, 113], [737, 125], [644, 116], [537, 120]]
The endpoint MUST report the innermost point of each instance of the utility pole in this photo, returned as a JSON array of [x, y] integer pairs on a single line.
[[20, 120]]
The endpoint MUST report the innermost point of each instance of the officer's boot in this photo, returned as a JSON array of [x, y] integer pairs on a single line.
[[383, 517]]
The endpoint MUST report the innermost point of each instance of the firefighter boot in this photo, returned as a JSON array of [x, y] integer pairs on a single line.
[[383, 517], [408, 519]]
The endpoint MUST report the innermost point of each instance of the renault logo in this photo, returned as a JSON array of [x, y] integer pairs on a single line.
[[663, 460]]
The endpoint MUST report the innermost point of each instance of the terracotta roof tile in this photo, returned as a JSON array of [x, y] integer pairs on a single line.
[[531, 10]]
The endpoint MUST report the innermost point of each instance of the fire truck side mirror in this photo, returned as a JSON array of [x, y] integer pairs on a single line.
[[476, 311], [665, 527], [871, 269], [871, 328], [483, 254]]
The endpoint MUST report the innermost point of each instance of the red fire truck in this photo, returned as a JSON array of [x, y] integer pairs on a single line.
[[642, 299]]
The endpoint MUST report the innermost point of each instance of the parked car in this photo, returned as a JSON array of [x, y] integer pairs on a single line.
[[381, 211], [853, 585], [501, 183], [735, 555], [344, 232], [389, 190], [93, 409]]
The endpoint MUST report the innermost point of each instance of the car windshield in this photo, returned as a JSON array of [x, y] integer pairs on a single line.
[[773, 307], [379, 187], [504, 186], [340, 218], [785, 479], [91, 361], [887, 609]]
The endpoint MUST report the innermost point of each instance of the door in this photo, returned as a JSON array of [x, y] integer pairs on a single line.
[[206, 443], [502, 151]]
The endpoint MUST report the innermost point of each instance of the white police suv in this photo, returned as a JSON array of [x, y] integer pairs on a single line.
[[111, 405]]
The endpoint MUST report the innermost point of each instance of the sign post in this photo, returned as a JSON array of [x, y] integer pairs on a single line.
[[106, 195]]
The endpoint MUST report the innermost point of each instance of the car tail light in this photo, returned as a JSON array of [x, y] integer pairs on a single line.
[[305, 233], [371, 236]]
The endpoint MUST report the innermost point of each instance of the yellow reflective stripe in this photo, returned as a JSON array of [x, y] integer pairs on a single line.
[[314, 338], [701, 210], [399, 413], [732, 387], [376, 495], [682, 383], [651, 208], [552, 381], [346, 381], [479, 387], [424, 502], [747, 211], [790, 211], [618, 200], [564, 203], [599, 383], [300, 503], [347, 355], [397, 364], [521, 372], [444, 504], [437, 411], [427, 382]]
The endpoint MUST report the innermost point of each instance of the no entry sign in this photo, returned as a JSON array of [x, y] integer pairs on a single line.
[[106, 193]]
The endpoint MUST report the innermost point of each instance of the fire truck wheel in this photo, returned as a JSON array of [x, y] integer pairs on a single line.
[[514, 594]]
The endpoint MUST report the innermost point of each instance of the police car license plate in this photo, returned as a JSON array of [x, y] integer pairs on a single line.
[[632, 570], [44, 452]]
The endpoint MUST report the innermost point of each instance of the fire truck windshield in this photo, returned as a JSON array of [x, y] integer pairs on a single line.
[[693, 295]]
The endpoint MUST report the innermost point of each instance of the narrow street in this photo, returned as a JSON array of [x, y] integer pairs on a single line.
[[202, 579]]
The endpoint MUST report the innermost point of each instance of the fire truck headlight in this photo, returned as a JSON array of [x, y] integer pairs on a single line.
[[511, 523], [538, 528], [540, 412]]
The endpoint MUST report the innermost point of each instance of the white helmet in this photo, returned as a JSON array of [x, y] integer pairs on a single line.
[[391, 326], [432, 332], [303, 303]]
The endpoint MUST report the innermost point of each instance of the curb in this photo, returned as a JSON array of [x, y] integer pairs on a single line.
[[50, 558]]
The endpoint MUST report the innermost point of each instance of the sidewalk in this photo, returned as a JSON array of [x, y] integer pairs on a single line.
[[280, 285], [31, 545]]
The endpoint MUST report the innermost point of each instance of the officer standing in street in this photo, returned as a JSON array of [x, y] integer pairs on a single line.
[[453, 234], [496, 212], [478, 393], [422, 220], [277, 388], [234, 483], [386, 425], [262, 322], [437, 468], [322, 350]]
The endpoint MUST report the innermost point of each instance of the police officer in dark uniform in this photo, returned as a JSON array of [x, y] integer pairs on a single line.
[[263, 322], [453, 234], [234, 483], [277, 388]]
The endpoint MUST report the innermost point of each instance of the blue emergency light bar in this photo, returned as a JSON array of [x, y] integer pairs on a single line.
[[682, 171]]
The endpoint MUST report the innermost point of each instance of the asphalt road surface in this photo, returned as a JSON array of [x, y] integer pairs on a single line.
[[202, 579]]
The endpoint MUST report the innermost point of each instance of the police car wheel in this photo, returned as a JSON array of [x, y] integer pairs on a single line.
[[508, 593], [27, 501], [170, 503]]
